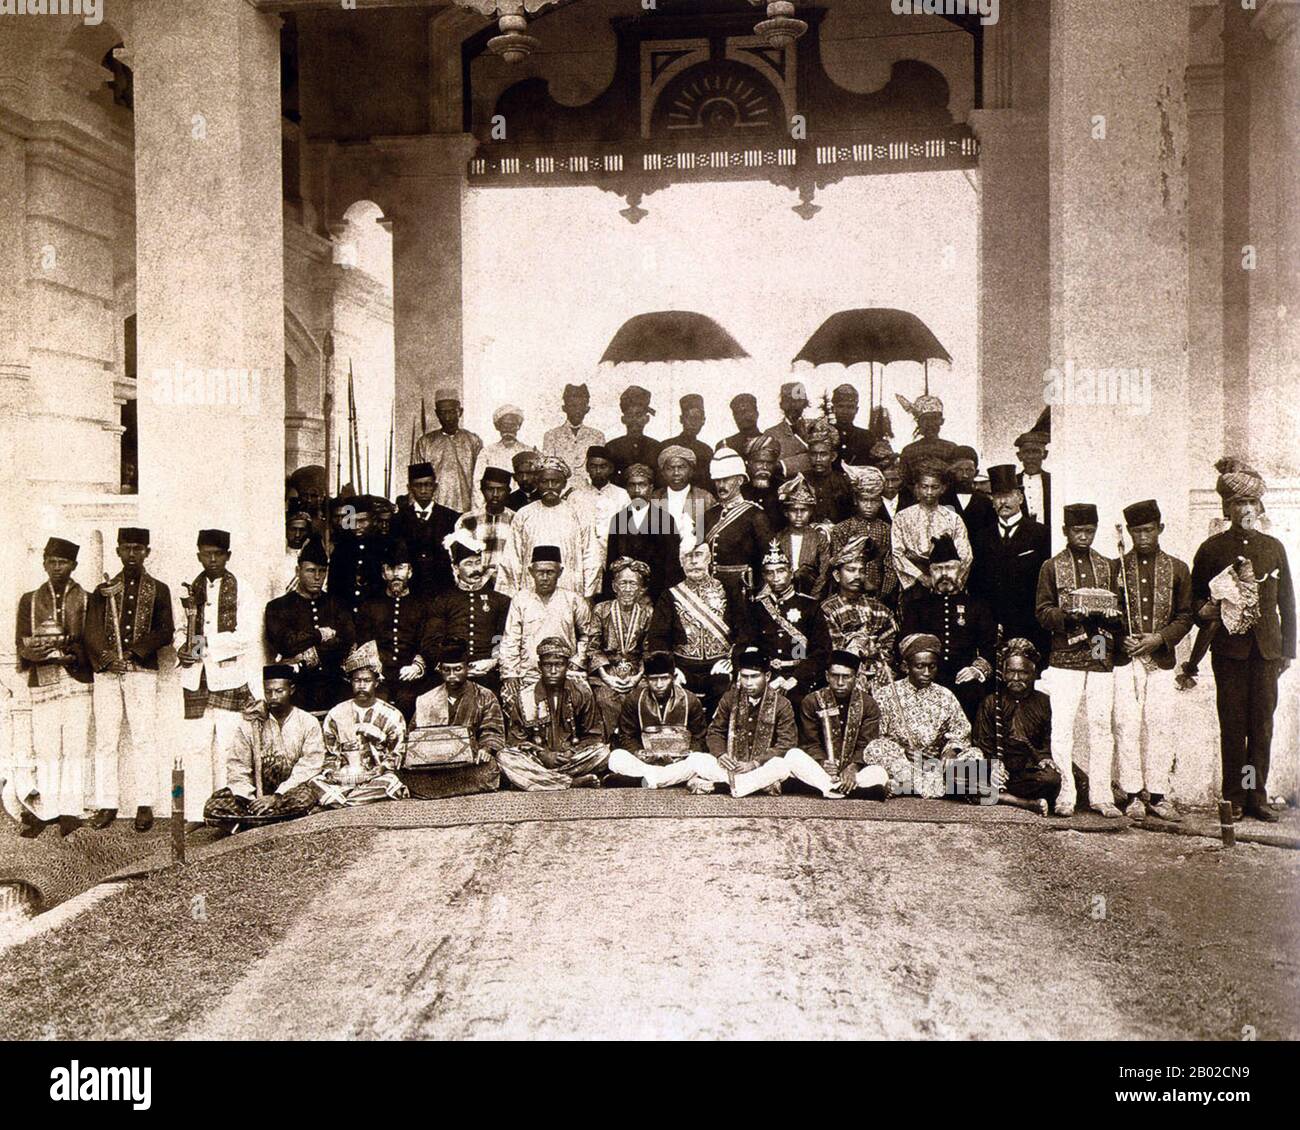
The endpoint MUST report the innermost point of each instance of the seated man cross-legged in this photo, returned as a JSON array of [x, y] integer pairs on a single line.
[[660, 724], [837, 723]]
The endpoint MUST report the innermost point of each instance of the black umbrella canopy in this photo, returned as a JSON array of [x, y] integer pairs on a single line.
[[878, 334], [671, 335]]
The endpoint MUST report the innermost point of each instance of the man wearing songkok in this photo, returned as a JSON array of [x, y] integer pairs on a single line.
[[790, 628], [792, 432], [853, 444], [644, 531], [855, 620], [834, 492], [867, 522], [1156, 599], [736, 529], [554, 729], [891, 467], [218, 675], [453, 452], [276, 752], [1008, 557], [422, 524], [398, 623], [698, 622], [1013, 728], [555, 521], [693, 419], [681, 496], [744, 411], [806, 547], [572, 439], [541, 611], [356, 570], [312, 631], [507, 420], [1035, 483], [602, 496], [526, 466], [657, 706], [962, 623], [763, 465], [927, 411], [925, 736], [470, 610], [635, 446], [837, 723], [1086, 631], [490, 525], [457, 701], [974, 506], [1241, 581], [619, 628], [128, 622], [49, 639], [297, 529], [365, 740], [914, 529]]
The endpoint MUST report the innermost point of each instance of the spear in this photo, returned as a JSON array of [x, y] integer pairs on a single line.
[[367, 466], [353, 454], [424, 422]]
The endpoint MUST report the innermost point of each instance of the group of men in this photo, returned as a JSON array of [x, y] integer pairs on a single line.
[[796, 607]]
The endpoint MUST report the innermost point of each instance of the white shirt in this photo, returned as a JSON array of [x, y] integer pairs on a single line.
[[1033, 491]]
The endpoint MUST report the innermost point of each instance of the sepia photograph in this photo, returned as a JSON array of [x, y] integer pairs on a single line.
[[732, 521]]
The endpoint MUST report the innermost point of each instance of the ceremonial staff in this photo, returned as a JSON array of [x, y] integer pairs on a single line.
[[327, 408], [111, 592], [1147, 661]]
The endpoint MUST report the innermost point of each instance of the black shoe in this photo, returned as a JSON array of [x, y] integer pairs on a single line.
[[1237, 813], [32, 825], [143, 818], [69, 824], [875, 792], [1262, 810], [103, 818]]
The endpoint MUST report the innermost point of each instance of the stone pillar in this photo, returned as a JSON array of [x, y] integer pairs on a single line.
[[210, 284], [1119, 279]]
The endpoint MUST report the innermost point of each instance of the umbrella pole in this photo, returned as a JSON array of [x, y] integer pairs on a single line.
[[926, 363]]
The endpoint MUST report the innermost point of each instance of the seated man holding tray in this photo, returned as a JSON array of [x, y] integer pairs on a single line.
[[659, 724]]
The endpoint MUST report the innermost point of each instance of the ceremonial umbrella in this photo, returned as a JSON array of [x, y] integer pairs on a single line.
[[671, 335]]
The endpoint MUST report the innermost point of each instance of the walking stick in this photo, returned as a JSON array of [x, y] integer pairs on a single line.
[[117, 623], [178, 811]]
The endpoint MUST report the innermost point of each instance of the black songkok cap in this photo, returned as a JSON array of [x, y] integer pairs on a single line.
[[313, 553], [453, 650], [1081, 514], [841, 658], [546, 553], [495, 475], [600, 451], [278, 671], [218, 539], [420, 471], [59, 547], [691, 400], [750, 658], [660, 663], [132, 535], [1140, 513]]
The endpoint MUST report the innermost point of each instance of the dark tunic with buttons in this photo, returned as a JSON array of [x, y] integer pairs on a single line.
[[967, 634], [293, 624], [399, 625], [793, 632], [625, 450], [478, 618], [357, 569]]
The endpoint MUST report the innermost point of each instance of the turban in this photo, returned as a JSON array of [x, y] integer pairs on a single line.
[[278, 671], [823, 431], [460, 544], [1237, 480], [453, 650], [676, 451], [640, 568], [1080, 514], [943, 549], [546, 553], [660, 663], [1023, 647], [132, 535], [841, 658], [796, 492], [446, 396], [854, 551], [638, 471], [1141, 513], [553, 463], [1002, 479], [364, 657], [298, 518], [921, 406], [908, 646], [420, 471], [553, 647], [507, 410], [59, 547], [844, 394], [763, 445], [218, 539], [313, 553], [726, 464], [867, 482], [794, 390], [881, 452]]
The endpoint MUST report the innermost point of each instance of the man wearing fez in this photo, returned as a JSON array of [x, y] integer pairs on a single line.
[[693, 419], [543, 610], [128, 621], [789, 626], [644, 531], [422, 524], [459, 701], [365, 740], [853, 444], [559, 521], [471, 610], [490, 525], [684, 499], [1241, 582], [855, 620], [1013, 729], [744, 411], [830, 485], [962, 623], [1157, 603], [453, 452], [52, 650], [555, 736], [215, 669], [356, 567], [836, 724], [311, 631], [571, 439], [737, 530], [526, 466], [276, 752], [1035, 483], [398, 623], [507, 419], [1008, 556], [807, 547], [1082, 661], [791, 433], [634, 447]]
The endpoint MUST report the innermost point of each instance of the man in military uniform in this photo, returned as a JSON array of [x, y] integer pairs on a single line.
[[789, 627], [470, 610], [398, 623], [422, 524], [737, 530], [356, 569]]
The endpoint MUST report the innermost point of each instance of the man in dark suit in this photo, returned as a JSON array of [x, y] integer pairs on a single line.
[[693, 419], [855, 443], [423, 524], [1247, 654], [975, 507], [635, 447], [1009, 555], [644, 530], [1035, 483]]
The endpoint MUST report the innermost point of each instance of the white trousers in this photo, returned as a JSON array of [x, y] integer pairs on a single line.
[[53, 783], [131, 697], [1095, 691], [795, 764], [207, 745], [1144, 733]]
